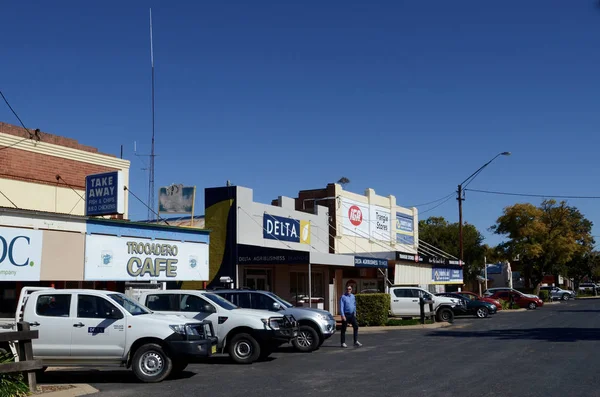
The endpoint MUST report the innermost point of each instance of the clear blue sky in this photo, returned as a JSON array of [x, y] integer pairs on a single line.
[[406, 97]]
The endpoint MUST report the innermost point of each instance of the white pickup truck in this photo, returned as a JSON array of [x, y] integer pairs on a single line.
[[245, 334], [405, 303], [79, 327]]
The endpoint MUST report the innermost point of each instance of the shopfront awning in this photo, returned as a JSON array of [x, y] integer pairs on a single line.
[[320, 258]]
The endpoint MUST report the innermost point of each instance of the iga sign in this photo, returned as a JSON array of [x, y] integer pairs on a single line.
[[444, 275], [286, 229], [131, 258], [355, 218], [104, 194], [20, 254]]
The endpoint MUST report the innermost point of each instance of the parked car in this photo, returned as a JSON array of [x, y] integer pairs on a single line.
[[79, 327], [405, 303], [589, 287], [476, 308], [524, 301], [314, 325], [559, 293], [491, 291], [245, 334], [473, 296]]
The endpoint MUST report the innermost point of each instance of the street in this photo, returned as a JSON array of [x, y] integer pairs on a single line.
[[550, 351]]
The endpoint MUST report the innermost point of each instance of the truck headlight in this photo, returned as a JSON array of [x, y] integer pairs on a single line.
[[271, 323], [178, 328]]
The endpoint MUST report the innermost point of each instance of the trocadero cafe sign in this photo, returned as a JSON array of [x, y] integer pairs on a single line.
[[131, 258]]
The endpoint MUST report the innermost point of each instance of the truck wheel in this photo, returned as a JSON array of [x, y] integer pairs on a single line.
[[244, 349], [445, 315], [307, 339], [151, 364]]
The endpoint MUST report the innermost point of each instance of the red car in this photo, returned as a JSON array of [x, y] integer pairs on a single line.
[[524, 301], [474, 297]]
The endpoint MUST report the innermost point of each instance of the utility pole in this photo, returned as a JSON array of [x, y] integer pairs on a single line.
[[460, 222]]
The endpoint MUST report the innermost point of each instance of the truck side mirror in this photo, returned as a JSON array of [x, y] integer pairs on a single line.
[[276, 306], [114, 314], [209, 309]]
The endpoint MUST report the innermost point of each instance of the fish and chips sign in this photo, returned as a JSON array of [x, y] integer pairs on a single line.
[[104, 194]]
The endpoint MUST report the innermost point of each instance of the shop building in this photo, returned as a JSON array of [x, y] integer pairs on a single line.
[[273, 248], [45, 172], [376, 227]]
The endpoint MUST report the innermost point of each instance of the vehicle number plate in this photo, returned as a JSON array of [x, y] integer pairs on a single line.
[[214, 349]]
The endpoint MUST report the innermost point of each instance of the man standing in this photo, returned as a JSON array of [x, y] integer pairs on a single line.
[[348, 313]]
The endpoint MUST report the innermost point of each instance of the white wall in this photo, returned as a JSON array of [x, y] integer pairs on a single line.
[[410, 274]]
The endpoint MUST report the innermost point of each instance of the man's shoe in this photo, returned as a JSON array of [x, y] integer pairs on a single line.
[[357, 344], [344, 345]]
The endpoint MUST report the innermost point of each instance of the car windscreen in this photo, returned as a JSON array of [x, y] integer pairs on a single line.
[[280, 300], [219, 300], [134, 308]]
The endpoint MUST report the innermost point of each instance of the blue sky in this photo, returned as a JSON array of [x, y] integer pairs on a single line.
[[406, 97]]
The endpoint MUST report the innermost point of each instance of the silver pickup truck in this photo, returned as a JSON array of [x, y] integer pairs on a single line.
[[314, 325]]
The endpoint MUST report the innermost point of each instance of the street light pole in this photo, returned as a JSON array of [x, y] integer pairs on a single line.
[[460, 199]]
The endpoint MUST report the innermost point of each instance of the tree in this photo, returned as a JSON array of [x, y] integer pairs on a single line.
[[584, 266], [546, 238], [438, 232]]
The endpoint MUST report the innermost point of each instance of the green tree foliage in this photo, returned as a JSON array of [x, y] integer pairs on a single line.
[[546, 238], [586, 265], [438, 232]]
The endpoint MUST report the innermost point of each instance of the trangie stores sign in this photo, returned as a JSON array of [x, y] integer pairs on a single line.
[[132, 258]]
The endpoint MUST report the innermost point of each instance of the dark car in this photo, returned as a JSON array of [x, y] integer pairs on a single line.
[[476, 308]]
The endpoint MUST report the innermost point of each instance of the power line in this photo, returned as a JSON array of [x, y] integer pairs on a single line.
[[16, 115], [533, 195], [146, 205], [432, 202], [6, 197], [60, 178], [434, 207]]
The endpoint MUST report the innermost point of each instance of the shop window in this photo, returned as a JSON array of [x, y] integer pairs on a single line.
[[94, 307], [259, 279], [56, 305], [299, 286]]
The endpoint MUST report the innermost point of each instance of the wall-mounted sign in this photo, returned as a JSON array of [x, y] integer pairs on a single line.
[[362, 261], [20, 254], [104, 194], [176, 199], [404, 229], [131, 258], [253, 255], [355, 218], [381, 223], [427, 260], [286, 229], [445, 275]]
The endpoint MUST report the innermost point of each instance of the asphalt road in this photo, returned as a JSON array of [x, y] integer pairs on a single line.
[[551, 351]]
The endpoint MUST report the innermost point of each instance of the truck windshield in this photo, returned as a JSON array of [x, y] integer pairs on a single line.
[[134, 308], [219, 300], [280, 300]]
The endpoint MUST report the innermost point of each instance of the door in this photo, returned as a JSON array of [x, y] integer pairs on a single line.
[[257, 281], [99, 329], [198, 308], [52, 317], [405, 302]]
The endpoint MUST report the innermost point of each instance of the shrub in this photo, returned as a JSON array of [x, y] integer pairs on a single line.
[[13, 384], [545, 295], [506, 305], [372, 309]]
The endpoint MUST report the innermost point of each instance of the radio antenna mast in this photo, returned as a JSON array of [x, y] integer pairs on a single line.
[[151, 214]]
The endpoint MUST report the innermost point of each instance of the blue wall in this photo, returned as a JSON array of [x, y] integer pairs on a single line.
[[151, 231]]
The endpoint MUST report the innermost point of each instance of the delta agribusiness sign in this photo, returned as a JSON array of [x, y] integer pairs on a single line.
[[286, 229], [104, 194], [20, 254]]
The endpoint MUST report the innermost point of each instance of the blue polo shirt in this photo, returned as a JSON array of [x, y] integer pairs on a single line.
[[347, 304]]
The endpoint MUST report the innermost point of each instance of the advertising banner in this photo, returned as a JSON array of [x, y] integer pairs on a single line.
[[176, 199], [404, 229], [20, 254], [104, 194], [355, 217], [286, 229], [381, 223], [133, 258], [445, 275]]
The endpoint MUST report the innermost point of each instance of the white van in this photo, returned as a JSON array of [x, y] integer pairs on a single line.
[[79, 327]]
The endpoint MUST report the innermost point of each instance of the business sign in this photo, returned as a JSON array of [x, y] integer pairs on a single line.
[[104, 194], [427, 260], [355, 218], [20, 254], [405, 229], [362, 261], [176, 199], [445, 275], [253, 255], [381, 223], [131, 258], [286, 229]]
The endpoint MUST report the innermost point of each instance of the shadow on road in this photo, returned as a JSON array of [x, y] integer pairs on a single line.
[[547, 334], [579, 311], [97, 376]]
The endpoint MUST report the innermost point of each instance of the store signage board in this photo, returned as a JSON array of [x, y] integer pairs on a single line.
[[104, 194], [20, 254]]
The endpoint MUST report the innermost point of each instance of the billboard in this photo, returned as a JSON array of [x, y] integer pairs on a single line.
[[405, 229], [133, 258], [104, 194], [366, 221], [286, 229], [176, 199]]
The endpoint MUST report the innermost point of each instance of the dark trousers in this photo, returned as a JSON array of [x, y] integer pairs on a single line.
[[350, 318]]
